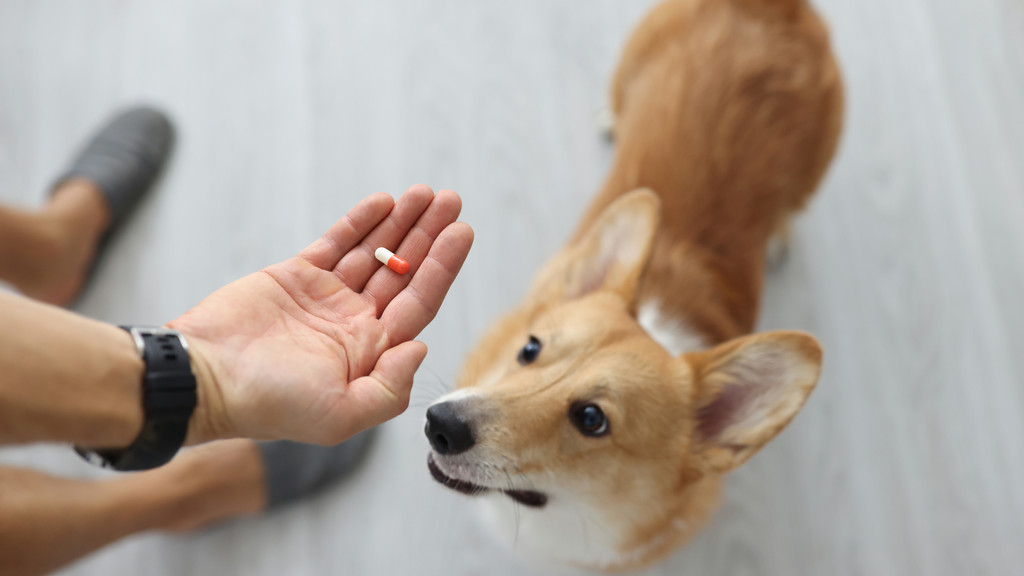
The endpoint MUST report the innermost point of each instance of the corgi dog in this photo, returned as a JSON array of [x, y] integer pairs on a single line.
[[596, 420]]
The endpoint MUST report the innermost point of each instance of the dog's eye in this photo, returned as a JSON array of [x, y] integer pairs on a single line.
[[529, 352], [590, 420]]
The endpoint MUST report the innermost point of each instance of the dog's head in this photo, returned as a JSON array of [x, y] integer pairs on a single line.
[[596, 445]]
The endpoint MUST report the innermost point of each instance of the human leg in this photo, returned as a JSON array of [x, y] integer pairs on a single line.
[[46, 254]]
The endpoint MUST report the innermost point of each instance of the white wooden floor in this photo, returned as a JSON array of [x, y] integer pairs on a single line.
[[909, 266]]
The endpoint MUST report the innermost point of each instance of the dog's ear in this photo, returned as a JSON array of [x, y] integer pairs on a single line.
[[746, 391], [610, 254]]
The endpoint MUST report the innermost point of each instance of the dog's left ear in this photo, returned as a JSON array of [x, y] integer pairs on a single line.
[[747, 390], [610, 255]]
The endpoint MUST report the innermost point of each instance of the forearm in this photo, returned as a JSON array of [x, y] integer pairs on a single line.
[[46, 522], [66, 377]]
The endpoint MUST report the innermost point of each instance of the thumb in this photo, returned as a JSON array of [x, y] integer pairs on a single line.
[[384, 394]]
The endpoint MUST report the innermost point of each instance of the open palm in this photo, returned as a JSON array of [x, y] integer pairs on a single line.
[[319, 347]]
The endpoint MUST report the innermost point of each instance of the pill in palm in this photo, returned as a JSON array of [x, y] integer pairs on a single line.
[[388, 258]]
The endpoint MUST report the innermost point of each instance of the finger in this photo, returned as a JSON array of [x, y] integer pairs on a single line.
[[347, 232], [413, 308], [356, 266], [384, 394], [385, 284]]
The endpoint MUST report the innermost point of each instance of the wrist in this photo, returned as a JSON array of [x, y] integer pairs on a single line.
[[169, 401], [127, 422], [203, 485], [209, 419]]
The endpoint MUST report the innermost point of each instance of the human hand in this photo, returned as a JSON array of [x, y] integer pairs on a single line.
[[319, 347]]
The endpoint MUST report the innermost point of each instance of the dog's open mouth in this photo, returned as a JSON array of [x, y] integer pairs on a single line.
[[524, 497]]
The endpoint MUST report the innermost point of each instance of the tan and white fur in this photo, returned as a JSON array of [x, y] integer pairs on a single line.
[[727, 114]]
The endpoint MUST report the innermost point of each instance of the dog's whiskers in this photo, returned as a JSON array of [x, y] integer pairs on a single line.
[[515, 507], [427, 392]]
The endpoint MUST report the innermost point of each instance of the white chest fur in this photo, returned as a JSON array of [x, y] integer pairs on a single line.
[[562, 534], [673, 334]]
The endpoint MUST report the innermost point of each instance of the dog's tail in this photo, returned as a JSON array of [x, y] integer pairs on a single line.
[[788, 9]]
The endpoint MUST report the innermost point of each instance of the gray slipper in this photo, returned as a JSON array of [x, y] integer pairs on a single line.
[[295, 470], [124, 158]]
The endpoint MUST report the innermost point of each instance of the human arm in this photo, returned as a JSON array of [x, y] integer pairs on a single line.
[[313, 349], [47, 522], [64, 377]]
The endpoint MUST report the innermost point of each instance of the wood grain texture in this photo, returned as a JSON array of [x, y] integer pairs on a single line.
[[908, 459]]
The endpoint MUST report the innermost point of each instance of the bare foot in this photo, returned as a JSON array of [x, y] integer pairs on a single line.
[[68, 231]]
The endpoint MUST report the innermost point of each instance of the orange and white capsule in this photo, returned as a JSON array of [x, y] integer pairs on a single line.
[[388, 258]]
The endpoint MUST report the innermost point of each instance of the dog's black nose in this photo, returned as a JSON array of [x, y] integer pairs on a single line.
[[448, 432]]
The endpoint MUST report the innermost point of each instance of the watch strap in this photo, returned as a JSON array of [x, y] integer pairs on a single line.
[[168, 398]]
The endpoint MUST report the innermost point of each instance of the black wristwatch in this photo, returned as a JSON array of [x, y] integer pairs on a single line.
[[168, 398]]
